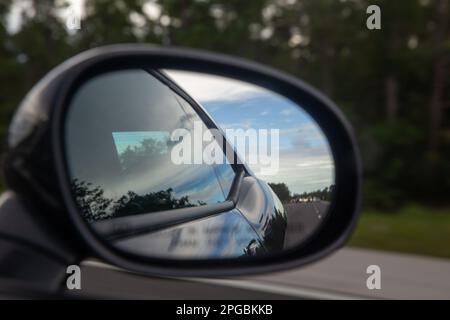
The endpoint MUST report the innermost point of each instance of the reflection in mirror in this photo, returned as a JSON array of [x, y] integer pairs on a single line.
[[302, 174], [184, 165]]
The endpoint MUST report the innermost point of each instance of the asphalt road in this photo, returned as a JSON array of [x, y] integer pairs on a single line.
[[102, 281], [340, 276], [302, 220], [402, 276]]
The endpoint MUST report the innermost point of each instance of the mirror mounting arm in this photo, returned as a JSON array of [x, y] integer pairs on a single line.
[[233, 196]]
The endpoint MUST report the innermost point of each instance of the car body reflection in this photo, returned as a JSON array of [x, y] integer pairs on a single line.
[[245, 230], [258, 225], [226, 235]]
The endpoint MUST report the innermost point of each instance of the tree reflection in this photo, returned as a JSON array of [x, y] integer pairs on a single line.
[[132, 203], [324, 194], [95, 206], [281, 190], [149, 152], [91, 200]]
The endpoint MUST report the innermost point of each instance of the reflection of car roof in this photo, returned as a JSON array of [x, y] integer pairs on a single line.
[[168, 78]]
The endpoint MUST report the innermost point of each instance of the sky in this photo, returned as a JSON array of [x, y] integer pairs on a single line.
[[305, 158]]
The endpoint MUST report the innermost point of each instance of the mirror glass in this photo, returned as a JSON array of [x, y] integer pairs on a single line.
[[186, 165]]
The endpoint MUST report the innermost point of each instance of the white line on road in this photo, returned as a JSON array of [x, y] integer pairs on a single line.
[[315, 208], [297, 292]]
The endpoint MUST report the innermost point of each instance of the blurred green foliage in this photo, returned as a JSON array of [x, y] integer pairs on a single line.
[[390, 83], [412, 229]]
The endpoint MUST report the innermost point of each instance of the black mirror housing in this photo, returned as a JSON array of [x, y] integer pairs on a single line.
[[36, 163]]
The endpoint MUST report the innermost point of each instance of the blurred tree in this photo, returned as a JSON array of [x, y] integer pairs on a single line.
[[440, 67], [391, 83]]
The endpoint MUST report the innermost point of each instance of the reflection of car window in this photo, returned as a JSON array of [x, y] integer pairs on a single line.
[[119, 149], [224, 171]]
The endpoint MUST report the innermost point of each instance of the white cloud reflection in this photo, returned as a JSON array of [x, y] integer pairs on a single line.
[[205, 88]]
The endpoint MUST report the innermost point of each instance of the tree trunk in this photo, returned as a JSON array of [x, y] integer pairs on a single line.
[[326, 68], [391, 90], [393, 44], [440, 72]]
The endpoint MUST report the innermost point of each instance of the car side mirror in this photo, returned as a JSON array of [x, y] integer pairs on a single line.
[[178, 162]]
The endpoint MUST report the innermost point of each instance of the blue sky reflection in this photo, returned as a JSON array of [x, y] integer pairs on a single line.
[[306, 162]]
